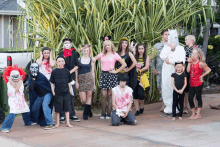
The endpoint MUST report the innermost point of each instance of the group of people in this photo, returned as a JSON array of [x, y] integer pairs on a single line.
[[123, 80]]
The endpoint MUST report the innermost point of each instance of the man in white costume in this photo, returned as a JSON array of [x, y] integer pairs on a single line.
[[171, 53]]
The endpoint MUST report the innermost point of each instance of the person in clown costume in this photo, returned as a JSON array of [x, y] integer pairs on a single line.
[[14, 77]]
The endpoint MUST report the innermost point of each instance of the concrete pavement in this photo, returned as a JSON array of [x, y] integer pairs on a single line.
[[151, 130]]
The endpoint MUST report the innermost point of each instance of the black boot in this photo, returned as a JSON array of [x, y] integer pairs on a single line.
[[141, 110], [85, 112], [90, 111]]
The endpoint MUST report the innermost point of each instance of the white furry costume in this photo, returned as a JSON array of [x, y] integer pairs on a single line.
[[168, 69]]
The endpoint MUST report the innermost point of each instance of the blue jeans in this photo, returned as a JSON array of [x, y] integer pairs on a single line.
[[72, 109], [8, 122], [116, 120], [44, 101]]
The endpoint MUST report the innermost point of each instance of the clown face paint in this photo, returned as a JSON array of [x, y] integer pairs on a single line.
[[67, 44], [15, 76]]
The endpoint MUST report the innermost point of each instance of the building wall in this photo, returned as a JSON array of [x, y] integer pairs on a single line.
[[1, 33], [17, 39], [6, 32]]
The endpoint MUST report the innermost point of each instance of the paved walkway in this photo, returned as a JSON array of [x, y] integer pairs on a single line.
[[151, 130]]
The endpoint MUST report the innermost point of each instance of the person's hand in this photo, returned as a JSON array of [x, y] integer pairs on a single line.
[[93, 60], [167, 61], [171, 45], [125, 69], [155, 72], [180, 91], [138, 65], [125, 115], [113, 71], [189, 59], [41, 54], [53, 93], [201, 79], [77, 85], [51, 54], [114, 106]]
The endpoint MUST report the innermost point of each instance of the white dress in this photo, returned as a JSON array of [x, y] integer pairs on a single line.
[[17, 101], [167, 70]]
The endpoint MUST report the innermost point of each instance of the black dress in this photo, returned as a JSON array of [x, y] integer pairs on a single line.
[[132, 73]]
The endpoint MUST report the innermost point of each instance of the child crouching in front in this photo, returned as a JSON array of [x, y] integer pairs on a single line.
[[14, 77], [60, 78], [179, 83]]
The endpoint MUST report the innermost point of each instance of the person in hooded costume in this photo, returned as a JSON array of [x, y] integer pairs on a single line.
[[41, 100], [71, 63]]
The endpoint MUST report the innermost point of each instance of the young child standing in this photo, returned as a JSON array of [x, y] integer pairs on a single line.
[[60, 78], [196, 65], [14, 77], [179, 83], [85, 80], [46, 62]]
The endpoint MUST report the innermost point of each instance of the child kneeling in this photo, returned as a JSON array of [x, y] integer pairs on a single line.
[[60, 78], [14, 77], [122, 101]]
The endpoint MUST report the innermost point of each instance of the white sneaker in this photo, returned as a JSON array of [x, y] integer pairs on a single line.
[[5, 131], [33, 123]]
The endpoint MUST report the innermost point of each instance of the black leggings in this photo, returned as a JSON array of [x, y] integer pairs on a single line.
[[177, 99], [139, 92], [198, 92]]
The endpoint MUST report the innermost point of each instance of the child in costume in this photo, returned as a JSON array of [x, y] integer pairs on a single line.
[[14, 77], [179, 83], [46, 62], [108, 78], [122, 102], [61, 79], [85, 80], [196, 65]]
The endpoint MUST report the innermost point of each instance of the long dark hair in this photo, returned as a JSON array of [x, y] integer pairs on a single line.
[[120, 48], [43, 49], [144, 54]]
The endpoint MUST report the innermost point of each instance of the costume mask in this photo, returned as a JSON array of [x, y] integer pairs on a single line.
[[173, 37], [67, 44], [15, 75], [34, 69]]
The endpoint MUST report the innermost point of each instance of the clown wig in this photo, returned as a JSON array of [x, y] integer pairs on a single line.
[[8, 70]]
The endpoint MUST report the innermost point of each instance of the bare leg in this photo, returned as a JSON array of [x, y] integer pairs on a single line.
[[193, 113], [109, 101], [136, 104], [82, 97], [57, 120], [141, 103], [174, 118], [103, 101], [186, 102], [88, 97], [180, 118], [68, 120], [198, 115]]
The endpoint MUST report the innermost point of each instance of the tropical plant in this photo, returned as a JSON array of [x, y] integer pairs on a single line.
[[86, 21]]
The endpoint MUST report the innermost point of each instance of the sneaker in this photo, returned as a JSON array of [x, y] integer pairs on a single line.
[[33, 123], [5, 131], [141, 111], [74, 118], [185, 111], [137, 113], [49, 127], [163, 114], [62, 120], [103, 116], [108, 116], [170, 115]]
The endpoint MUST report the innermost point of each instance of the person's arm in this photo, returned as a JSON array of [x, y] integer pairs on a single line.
[[76, 63], [134, 62], [94, 59], [184, 86], [12, 83], [52, 62], [174, 87], [114, 106], [52, 88], [189, 64], [123, 65], [70, 87], [77, 83], [39, 60], [93, 73], [129, 107], [18, 86], [206, 68], [146, 67]]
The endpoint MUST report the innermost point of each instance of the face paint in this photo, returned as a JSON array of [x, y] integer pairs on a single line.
[[15, 75], [67, 44]]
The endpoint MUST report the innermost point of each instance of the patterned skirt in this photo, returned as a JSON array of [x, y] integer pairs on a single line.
[[86, 82], [108, 80]]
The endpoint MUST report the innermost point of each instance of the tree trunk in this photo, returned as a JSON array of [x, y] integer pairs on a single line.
[[206, 37]]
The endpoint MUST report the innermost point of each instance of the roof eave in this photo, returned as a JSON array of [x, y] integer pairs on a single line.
[[4, 12]]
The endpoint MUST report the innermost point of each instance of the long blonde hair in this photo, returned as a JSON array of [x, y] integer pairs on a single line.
[[200, 54], [104, 51]]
